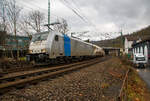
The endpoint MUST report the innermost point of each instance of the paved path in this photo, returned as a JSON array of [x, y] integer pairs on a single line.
[[145, 75]]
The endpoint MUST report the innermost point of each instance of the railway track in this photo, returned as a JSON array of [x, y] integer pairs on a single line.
[[20, 79], [28, 67]]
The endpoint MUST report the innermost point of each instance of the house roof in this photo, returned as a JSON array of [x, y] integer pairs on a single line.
[[10, 42], [135, 38], [131, 38], [8, 35], [146, 40]]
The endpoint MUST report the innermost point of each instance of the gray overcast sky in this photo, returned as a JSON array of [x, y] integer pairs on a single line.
[[105, 15]]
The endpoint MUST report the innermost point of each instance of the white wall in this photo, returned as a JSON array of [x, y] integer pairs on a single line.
[[146, 52], [140, 49], [127, 45]]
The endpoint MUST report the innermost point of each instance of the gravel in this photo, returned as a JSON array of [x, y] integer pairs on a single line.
[[100, 82]]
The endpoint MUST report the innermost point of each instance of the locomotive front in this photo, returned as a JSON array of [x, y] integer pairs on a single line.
[[38, 50]]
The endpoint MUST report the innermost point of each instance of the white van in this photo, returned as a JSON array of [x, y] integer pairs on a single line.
[[139, 60]]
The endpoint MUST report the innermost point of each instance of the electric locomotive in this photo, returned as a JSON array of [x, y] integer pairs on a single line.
[[52, 45]]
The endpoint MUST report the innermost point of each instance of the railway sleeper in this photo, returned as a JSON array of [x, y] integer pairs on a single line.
[[31, 75], [20, 86], [1, 74], [40, 73], [34, 82], [45, 72], [5, 90], [23, 77], [53, 75], [46, 79], [10, 79]]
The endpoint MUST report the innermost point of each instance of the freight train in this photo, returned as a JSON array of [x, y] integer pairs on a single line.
[[53, 46]]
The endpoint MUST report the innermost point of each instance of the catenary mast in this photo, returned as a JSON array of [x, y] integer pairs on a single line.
[[48, 11]]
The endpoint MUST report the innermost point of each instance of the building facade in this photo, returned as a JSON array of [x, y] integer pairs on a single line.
[[142, 47], [129, 41], [127, 45], [11, 44]]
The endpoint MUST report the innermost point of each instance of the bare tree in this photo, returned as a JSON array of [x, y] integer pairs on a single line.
[[3, 24], [62, 27], [25, 28], [13, 11], [35, 19]]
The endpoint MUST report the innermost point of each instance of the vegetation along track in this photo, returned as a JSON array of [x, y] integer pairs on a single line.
[[22, 78]]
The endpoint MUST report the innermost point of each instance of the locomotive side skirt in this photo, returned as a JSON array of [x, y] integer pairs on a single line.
[[67, 45]]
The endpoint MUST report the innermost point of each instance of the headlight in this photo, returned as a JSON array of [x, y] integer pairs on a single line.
[[30, 51], [43, 50]]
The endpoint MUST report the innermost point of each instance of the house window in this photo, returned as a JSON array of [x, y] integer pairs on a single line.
[[56, 38], [8, 40], [143, 50], [139, 49], [19, 40]]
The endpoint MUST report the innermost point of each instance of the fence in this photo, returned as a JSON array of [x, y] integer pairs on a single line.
[[123, 95]]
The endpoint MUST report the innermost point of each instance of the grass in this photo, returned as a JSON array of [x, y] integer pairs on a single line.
[[22, 59], [137, 89]]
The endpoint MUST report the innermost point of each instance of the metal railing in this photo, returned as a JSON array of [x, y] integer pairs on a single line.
[[123, 95]]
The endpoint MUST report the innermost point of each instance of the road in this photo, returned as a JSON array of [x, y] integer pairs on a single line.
[[145, 75]]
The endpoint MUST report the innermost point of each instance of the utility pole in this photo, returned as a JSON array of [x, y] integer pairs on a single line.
[[2, 15], [48, 11], [122, 40], [4, 19]]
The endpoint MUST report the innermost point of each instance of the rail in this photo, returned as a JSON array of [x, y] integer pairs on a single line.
[[36, 76], [124, 89]]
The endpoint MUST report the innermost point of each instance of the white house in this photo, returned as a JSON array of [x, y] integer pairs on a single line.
[[142, 47], [128, 43]]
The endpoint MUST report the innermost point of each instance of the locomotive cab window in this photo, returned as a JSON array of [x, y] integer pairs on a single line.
[[56, 38]]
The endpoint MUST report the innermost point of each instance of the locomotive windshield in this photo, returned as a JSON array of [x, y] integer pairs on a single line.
[[39, 37]]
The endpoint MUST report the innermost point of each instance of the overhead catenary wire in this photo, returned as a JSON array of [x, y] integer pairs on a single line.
[[75, 9], [66, 3], [75, 6], [31, 4]]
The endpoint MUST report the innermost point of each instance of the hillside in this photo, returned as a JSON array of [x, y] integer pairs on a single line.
[[142, 34]]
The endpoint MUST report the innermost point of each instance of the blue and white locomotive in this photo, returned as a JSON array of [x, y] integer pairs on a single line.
[[52, 45]]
